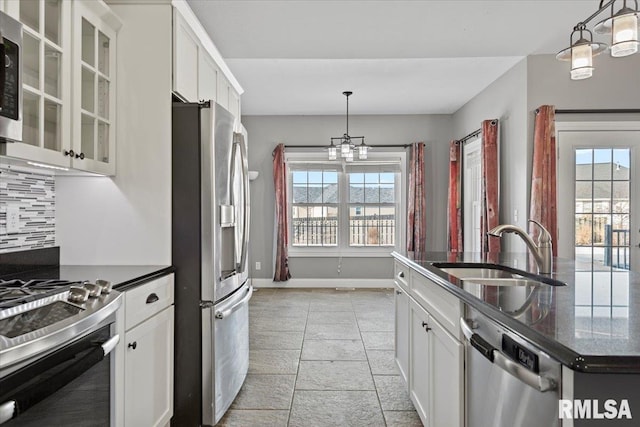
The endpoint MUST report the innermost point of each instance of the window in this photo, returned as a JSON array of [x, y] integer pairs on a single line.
[[372, 208], [351, 209], [314, 210]]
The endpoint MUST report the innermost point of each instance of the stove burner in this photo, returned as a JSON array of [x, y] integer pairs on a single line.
[[15, 292]]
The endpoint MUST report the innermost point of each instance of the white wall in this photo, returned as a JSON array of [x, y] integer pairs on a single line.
[[615, 84], [127, 219], [505, 100], [265, 132]]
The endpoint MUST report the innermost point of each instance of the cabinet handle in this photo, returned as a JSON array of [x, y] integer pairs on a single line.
[[398, 292], [401, 274], [426, 327], [80, 156], [152, 298], [69, 153], [133, 345]]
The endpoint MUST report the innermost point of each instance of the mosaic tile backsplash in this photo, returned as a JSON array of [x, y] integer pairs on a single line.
[[34, 196]]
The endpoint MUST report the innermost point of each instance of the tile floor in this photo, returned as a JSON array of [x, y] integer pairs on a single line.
[[322, 357]]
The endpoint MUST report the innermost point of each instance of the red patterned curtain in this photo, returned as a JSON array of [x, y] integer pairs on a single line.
[[455, 193], [490, 206], [417, 204], [543, 205], [281, 269]]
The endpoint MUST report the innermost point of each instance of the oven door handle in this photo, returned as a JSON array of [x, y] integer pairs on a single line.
[[25, 399]]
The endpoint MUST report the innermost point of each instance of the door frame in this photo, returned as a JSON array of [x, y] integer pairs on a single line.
[[582, 126]]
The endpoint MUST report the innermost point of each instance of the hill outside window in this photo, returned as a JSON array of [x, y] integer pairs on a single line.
[[345, 209]]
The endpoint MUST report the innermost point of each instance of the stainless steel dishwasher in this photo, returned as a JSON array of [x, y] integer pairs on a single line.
[[508, 381]]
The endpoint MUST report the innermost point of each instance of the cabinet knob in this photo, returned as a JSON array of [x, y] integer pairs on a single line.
[[80, 156], [69, 153], [133, 345], [398, 292], [426, 327]]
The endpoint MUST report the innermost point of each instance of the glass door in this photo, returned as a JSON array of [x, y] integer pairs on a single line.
[[598, 222]]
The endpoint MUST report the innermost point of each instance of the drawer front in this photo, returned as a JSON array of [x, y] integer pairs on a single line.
[[401, 275], [446, 308], [146, 300]]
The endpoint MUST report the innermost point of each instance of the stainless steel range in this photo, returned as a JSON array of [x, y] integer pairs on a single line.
[[55, 338]]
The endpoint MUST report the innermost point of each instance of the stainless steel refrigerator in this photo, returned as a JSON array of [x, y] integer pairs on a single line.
[[210, 242]]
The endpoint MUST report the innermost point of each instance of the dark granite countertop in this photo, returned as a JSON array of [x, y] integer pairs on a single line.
[[591, 325], [44, 263], [122, 277]]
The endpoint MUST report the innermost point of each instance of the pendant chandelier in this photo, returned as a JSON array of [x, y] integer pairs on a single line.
[[345, 143], [623, 26]]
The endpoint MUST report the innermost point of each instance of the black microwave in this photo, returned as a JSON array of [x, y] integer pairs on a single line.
[[10, 79]]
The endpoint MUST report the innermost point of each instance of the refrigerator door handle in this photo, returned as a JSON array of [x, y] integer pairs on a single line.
[[245, 228], [227, 311]]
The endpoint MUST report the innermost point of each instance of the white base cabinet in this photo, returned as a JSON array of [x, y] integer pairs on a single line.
[[430, 357], [148, 354], [402, 333], [419, 362]]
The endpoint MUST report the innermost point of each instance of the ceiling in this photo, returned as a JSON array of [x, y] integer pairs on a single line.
[[398, 57]]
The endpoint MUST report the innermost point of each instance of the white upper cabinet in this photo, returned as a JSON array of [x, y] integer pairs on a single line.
[[68, 83], [94, 87], [185, 59], [199, 72], [46, 81], [207, 78]]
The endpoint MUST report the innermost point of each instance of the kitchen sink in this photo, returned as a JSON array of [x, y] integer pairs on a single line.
[[502, 281], [478, 272], [494, 274]]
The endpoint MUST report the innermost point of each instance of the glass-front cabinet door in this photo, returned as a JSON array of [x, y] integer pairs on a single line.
[[46, 80], [94, 88]]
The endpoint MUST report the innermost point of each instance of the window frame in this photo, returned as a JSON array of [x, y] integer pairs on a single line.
[[343, 249]]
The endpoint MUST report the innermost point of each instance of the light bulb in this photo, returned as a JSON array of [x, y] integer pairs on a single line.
[[332, 152], [362, 152], [625, 35], [345, 148], [581, 61], [349, 156]]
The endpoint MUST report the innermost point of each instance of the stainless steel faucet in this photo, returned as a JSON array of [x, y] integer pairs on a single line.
[[542, 252]]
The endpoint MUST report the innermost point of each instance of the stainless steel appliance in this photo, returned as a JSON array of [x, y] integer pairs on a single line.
[[210, 239], [10, 79], [509, 382], [56, 338]]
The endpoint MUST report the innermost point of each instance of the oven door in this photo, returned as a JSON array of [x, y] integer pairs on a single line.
[[69, 387]]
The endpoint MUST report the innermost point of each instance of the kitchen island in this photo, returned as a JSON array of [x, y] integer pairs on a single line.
[[589, 325], [599, 332]]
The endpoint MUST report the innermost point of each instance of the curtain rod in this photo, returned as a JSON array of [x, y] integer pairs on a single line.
[[468, 137], [368, 145], [600, 111]]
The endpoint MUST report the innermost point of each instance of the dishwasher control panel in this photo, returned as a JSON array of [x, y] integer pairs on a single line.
[[520, 354]]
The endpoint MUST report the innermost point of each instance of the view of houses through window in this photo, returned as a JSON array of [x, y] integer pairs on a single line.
[[354, 208], [602, 206]]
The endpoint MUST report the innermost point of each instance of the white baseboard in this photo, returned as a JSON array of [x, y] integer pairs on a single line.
[[323, 283]]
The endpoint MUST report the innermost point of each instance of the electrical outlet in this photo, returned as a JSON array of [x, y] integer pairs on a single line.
[[13, 219], [515, 215], [258, 265]]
